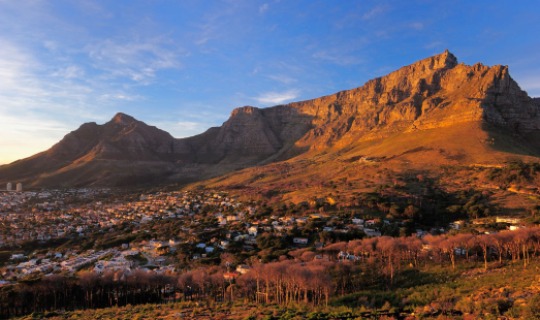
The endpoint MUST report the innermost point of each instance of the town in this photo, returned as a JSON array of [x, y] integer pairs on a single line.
[[64, 231], [209, 223]]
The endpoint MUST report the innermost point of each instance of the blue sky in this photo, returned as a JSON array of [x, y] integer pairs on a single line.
[[183, 66]]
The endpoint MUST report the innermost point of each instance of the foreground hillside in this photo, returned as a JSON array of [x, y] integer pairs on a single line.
[[433, 112], [405, 243], [385, 254], [434, 292]]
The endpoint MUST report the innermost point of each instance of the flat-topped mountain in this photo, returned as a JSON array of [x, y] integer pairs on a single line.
[[433, 111], [431, 93]]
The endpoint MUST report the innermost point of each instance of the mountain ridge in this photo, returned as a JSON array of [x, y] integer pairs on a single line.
[[430, 94]]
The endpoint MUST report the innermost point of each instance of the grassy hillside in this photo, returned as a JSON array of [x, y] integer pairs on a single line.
[[436, 292]]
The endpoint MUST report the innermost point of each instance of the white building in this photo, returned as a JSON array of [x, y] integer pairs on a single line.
[[302, 241], [252, 231], [9, 186]]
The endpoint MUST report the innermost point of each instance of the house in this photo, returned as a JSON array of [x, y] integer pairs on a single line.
[[300, 241], [17, 256], [372, 232], [243, 268], [301, 220], [370, 222], [456, 225], [4, 283], [240, 237], [507, 220], [252, 231], [420, 233], [224, 244], [342, 255]]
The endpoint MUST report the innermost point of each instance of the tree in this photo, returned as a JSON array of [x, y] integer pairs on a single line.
[[449, 245], [484, 241]]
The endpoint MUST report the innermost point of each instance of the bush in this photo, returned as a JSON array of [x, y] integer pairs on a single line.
[[532, 310]]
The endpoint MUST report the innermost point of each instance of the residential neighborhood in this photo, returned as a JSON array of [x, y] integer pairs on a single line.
[[119, 234], [207, 224]]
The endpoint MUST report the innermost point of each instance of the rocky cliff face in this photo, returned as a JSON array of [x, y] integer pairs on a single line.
[[436, 92], [431, 93]]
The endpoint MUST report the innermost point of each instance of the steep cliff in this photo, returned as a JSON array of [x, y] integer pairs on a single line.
[[432, 93]]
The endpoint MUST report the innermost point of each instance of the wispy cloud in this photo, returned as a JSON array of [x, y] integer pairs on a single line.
[[120, 96], [215, 23], [434, 44], [69, 72], [41, 103], [277, 97], [282, 78], [337, 57], [135, 60], [30, 113], [374, 12]]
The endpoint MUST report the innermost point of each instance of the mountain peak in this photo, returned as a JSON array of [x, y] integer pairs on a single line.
[[245, 111], [448, 58], [445, 60], [122, 118]]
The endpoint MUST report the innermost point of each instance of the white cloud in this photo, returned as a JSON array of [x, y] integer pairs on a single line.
[[281, 78], [120, 96], [138, 61], [374, 12], [70, 72], [337, 57], [55, 75], [28, 108], [277, 97], [39, 103]]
